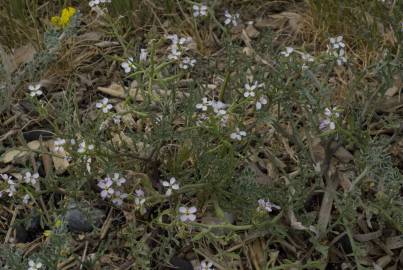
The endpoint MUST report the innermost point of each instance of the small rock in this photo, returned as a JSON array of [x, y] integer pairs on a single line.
[[83, 219]]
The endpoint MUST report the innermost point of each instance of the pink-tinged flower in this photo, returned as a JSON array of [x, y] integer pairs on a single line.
[[171, 185], [187, 213]]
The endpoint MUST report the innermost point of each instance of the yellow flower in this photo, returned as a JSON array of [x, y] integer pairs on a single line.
[[64, 18], [47, 233]]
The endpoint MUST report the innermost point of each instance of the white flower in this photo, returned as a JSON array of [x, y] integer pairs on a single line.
[[25, 199], [307, 57], [262, 101], [128, 65], [337, 42], [118, 180], [185, 40], [199, 10], [204, 105], [287, 52], [34, 265], [82, 147], [267, 205], [104, 105], [59, 144], [143, 55], [171, 185], [219, 107], [31, 178], [187, 213], [35, 90], [187, 62], [93, 3], [205, 265], [250, 89], [173, 38], [231, 18], [238, 134]]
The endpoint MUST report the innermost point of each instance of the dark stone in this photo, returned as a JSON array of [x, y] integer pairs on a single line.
[[181, 264], [27, 231]]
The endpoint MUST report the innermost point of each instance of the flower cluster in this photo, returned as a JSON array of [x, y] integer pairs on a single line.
[[266, 206], [85, 150], [328, 123], [218, 107], [110, 188], [337, 49], [65, 17], [179, 45]]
